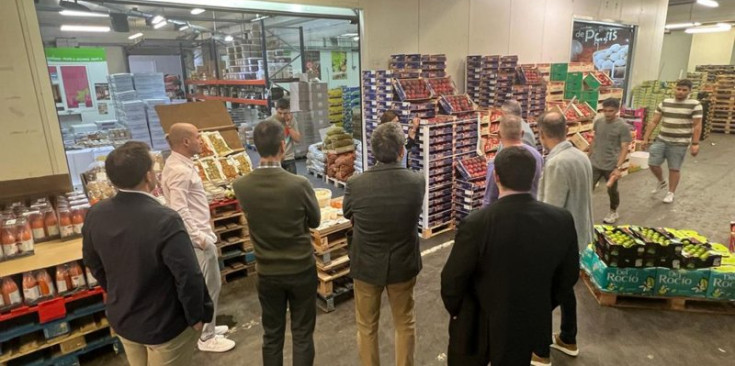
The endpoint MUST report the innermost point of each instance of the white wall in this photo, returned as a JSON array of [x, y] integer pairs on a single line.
[[536, 31], [166, 64], [711, 49], [115, 60], [675, 55]]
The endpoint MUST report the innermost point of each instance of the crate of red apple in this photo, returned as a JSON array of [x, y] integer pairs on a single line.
[[442, 86], [472, 168], [455, 104], [413, 89], [603, 78], [584, 111]]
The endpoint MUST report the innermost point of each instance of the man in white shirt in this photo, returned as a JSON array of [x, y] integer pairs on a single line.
[[185, 194]]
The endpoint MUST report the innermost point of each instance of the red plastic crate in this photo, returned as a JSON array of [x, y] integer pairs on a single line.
[[51, 309]]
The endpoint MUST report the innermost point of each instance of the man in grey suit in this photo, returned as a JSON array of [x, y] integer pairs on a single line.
[[384, 204]]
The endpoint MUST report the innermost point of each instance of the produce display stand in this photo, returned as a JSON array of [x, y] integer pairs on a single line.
[[59, 330], [441, 142], [234, 248], [688, 304], [333, 264]]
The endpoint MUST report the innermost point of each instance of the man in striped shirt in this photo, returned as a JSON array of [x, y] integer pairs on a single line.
[[681, 126]]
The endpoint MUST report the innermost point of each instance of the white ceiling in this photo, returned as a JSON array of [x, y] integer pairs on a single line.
[[234, 23], [681, 11]]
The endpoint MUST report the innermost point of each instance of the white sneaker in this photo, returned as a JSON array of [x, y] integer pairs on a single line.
[[659, 186], [221, 329], [611, 217], [669, 197], [216, 344]]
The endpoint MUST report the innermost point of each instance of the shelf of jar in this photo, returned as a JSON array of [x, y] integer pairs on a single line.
[[48, 254]]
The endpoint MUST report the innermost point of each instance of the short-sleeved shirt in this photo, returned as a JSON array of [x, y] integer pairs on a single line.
[[608, 138], [289, 154], [677, 120]]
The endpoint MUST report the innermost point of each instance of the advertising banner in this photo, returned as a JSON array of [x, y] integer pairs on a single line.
[[608, 46]]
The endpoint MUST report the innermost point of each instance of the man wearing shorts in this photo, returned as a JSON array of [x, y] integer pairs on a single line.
[[681, 126]]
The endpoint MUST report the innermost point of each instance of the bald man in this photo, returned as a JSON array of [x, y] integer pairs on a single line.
[[185, 194]]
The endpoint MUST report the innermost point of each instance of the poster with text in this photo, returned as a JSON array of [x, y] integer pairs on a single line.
[[608, 46], [76, 86], [339, 65], [313, 64]]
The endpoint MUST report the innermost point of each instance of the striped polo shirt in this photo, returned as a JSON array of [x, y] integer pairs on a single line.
[[677, 120]]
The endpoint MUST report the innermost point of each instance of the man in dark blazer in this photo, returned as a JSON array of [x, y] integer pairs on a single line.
[[141, 254], [510, 264], [384, 204]]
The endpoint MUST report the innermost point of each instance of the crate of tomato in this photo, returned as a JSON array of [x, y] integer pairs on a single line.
[[455, 104]]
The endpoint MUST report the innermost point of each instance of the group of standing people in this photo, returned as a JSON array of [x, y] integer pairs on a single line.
[[512, 263]]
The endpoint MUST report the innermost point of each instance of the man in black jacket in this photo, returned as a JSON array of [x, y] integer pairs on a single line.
[[384, 204], [510, 265], [141, 254]]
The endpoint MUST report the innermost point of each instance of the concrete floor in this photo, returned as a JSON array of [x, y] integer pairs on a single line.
[[607, 336]]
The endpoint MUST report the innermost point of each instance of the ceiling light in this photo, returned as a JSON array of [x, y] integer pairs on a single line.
[[74, 13], [719, 27], [682, 25], [229, 38], [349, 35], [182, 27], [136, 35], [259, 18], [708, 3], [159, 25], [84, 28], [197, 11], [356, 39], [157, 19]]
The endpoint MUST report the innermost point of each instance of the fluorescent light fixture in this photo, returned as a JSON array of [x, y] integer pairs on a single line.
[[682, 25], [229, 38], [157, 19], [136, 35], [708, 3], [75, 13], [159, 25], [84, 28], [184, 27], [719, 27], [197, 11], [356, 39], [259, 18], [349, 35]]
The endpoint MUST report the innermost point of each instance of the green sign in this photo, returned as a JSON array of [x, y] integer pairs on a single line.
[[76, 54]]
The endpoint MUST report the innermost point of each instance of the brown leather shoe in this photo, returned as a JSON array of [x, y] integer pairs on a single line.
[[539, 361], [567, 349]]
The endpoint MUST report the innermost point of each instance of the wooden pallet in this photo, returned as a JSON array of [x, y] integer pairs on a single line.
[[230, 273], [335, 182], [342, 292], [330, 237], [326, 280], [335, 259], [686, 304], [436, 230], [727, 132]]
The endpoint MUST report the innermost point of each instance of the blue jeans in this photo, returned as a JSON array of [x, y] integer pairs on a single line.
[[673, 154]]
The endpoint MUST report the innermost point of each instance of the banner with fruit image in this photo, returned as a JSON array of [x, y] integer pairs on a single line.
[[607, 45], [339, 65]]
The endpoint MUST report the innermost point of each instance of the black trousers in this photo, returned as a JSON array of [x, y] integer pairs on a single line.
[[568, 333], [611, 191], [298, 293], [289, 165]]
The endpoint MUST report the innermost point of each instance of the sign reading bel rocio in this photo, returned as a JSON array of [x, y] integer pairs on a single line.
[[608, 46]]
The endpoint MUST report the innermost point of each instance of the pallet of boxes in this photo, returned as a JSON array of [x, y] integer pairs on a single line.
[[659, 268], [340, 149], [330, 249]]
